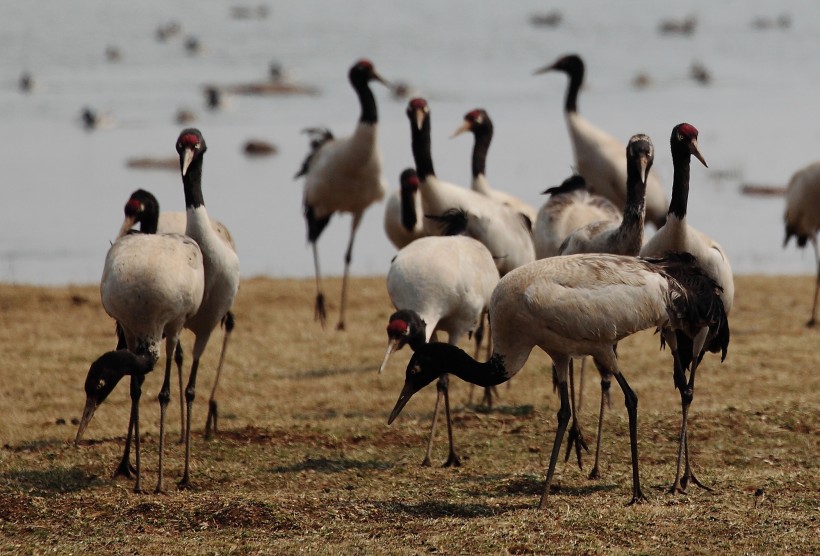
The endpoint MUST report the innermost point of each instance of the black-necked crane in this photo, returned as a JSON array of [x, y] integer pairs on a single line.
[[152, 285], [438, 284], [343, 175], [402, 212], [574, 306], [674, 236], [501, 229], [143, 208], [221, 270], [570, 206], [802, 218], [623, 236], [599, 157], [478, 122]]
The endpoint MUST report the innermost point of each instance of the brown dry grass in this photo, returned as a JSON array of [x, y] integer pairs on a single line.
[[305, 462]]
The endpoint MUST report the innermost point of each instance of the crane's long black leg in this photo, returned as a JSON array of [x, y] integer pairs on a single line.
[[606, 383], [439, 393], [576, 435], [564, 413], [190, 394], [213, 410], [688, 474], [813, 320], [631, 402], [125, 469], [178, 359], [357, 218], [164, 399], [452, 458], [136, 393], [685, 398]]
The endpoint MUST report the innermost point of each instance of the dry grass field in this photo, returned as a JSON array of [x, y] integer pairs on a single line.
[[305, 462]]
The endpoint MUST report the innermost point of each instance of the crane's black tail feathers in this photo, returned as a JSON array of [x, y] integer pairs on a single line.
[[318, 137], [315, 225], [453, 221], [696, 305], [572, 183]]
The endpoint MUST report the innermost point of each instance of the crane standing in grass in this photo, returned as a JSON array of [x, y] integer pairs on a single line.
[[677, 235], [574, 306], [438, 284], [343, 175], [802, 218], [623, 236]]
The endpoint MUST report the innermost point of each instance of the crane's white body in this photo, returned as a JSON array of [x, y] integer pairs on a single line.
[[565, 212], [152, 285], [677, 236], [500, 228], [175, 222], [448, 281], [344, 175], [396, 233], [481, 185]]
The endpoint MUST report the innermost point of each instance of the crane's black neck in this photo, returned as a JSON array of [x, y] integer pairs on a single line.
[[445, 358], [483, 137], [370, 114], [680, 182], [635, 207], [192, 184], [408, 208], [149, 219], [576, 79], [422, 149]]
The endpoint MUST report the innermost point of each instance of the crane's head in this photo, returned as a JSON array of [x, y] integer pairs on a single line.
[[475, 121], [418, 111], [641, 153], [363, 72], [190, 145], [143, 208], [571, 64], [104, 375], [685, 139], [405, 326]]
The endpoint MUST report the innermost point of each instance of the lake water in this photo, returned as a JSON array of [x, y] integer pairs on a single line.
[[63, 188]]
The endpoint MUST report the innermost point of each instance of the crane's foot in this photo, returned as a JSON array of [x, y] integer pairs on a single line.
[[595, 474], [452, 460], [575, 439], [812, 322], [489, 393], [124, 469], [210, 422], [690, 476], [340, 325], [185, 483], [319, 312], [426, 462], [676, 488], [637, 498]]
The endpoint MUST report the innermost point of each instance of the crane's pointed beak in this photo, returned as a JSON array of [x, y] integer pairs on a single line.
[[646, 165], [127, 224], [464, 127], [545, 69], [88, 414], [693, 148], [392, 346], [419, 118], [187, 158], [382, 80], [406, 393]]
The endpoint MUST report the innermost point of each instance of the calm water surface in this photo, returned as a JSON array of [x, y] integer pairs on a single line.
[[63, 188]]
